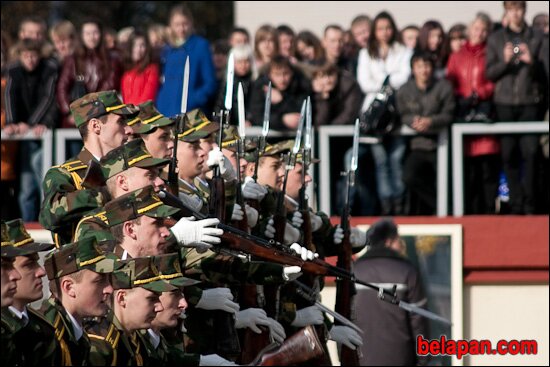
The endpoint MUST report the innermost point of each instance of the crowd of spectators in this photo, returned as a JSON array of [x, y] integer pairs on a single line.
[[483, 71]]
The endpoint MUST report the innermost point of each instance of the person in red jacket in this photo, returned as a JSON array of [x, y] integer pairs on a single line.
[[140, 81], [474, 92]]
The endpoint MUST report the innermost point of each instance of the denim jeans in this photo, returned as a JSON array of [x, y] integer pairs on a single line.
[[30, 180], [388, 159]]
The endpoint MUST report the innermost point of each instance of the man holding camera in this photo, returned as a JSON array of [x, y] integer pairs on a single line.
[[513, 65]]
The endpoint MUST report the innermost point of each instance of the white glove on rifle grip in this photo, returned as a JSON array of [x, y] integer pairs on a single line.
[[218, 299], [292, 234], [251, 318], [189, 231], [251, 216], [338, 235], [252, 190], [215, 360], [269, 229], [311, 315], [276, 331], [297, 219], [345, 335], [291, 273], [303, 252], [316, 222], [238, 213], [216, 158]]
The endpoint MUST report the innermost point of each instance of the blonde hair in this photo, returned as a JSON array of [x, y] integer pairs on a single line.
[[63, 29]]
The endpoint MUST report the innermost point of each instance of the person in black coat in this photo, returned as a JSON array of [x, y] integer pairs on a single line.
[[389, 332]]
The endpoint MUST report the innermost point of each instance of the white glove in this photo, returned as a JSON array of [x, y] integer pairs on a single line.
[[269, 229], [251, 216], [251, 318], [338, 235], [218, 299], [189, 232], [276, 331], [304, 252], [357, 237], [292, 234], [253, 190], [311, 315], [215, 360], [316, 222], [297, 219], [238, 213], [291, 273], [345, 335], [216, 158]]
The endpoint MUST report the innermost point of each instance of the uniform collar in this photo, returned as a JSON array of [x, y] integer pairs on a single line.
[[154, 338], [77, 328], [21, 315]]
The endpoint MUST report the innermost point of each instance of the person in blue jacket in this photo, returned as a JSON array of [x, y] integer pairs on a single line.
[[202, 75]]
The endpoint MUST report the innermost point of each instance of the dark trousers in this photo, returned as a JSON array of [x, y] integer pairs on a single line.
[[419, 177], [481, 175], [516, 149]]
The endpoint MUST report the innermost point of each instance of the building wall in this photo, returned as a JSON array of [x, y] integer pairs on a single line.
[[315, 15]]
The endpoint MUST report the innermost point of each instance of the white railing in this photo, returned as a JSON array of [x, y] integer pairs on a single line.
[[461, 129], [327, 132]]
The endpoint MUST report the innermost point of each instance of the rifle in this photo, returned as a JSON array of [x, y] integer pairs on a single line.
[[345, 290], [179, 126], [243, 223], [260, 150], [300, 347]]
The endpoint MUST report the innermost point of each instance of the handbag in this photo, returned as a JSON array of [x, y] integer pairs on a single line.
[[381, 118], [79, 88]]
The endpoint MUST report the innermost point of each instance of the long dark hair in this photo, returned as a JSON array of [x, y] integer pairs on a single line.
[[440, 55], [81, 51], [373, 45], [127, 56]]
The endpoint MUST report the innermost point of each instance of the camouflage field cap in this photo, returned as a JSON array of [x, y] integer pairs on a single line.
[[132, 154], [7, 249], [197, 126], [23, 240], [98, 104], [140, 202], [279, 148], [300, 159], [83, 254], [149, 119], [170, 270], [140, 272]]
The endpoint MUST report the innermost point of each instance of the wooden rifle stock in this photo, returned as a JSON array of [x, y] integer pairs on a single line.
[[345, 289], [300, 347]]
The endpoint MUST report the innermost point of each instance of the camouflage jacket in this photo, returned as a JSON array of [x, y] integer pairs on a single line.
[[112, 346], [165, 354], [34, 344], [73, 352], [65, 200]]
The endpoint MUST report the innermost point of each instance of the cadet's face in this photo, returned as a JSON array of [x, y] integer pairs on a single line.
[[92, 293], [29, 60], [29, 288], [138, 178], [142, 306], [114, 132], [232, 156], [180, 26], [174, 305], [361, 33], [160, 143], [270, 172], [206, 146], [294, 181], [91, 35], [190, 160], [280, 77], [151, 236], [9, 279]]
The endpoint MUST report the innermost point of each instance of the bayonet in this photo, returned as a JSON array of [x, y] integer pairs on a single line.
[[265, 130], [185, 92], [229, 83]]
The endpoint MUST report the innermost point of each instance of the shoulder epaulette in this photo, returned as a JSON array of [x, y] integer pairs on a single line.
[[74, 165]]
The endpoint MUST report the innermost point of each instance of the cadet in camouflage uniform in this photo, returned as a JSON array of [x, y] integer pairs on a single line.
[[80, 285], [33, 336], [115, 340], [100, 118], [9, 279]]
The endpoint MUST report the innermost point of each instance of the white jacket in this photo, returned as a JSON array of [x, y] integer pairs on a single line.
[[372, 72]]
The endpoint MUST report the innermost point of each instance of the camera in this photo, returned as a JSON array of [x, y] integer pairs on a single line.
[[515, 45]]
